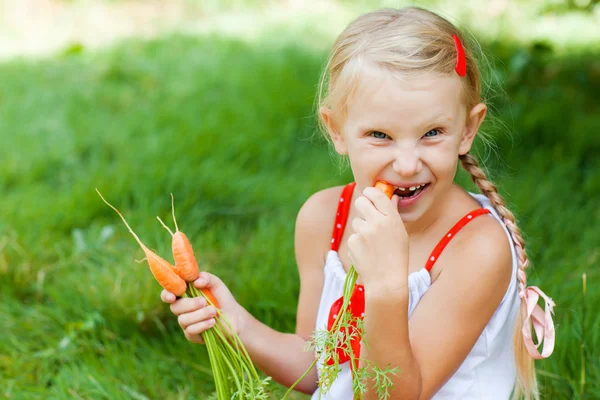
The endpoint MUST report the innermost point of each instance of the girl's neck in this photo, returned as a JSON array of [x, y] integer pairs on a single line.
[[436, 215]]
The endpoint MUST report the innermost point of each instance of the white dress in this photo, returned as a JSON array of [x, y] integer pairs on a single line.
[[488, 372]]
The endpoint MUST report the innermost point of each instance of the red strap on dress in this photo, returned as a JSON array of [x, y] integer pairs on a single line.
[[435, 254], [342, 216], [357, 300]]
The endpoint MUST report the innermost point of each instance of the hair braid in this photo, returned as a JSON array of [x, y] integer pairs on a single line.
[[527, 384]]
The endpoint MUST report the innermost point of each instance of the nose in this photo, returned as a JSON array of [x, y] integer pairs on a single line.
[[407, 161]]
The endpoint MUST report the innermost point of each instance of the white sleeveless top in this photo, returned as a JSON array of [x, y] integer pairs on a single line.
[[488, 372]]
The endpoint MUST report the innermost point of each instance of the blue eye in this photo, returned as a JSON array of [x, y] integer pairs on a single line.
[[375, 133], [434, 131]]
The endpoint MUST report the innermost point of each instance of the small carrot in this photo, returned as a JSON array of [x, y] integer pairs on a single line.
[[163, 272], [186, 265], [386, 188]]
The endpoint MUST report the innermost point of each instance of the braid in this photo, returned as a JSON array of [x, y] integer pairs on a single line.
[[525, 367], [471, 165]]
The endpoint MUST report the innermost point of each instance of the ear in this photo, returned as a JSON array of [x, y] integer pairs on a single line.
[[336, 136], [474, 120]]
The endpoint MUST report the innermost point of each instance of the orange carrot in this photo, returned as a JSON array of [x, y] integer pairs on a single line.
[[186, 265], [163, 272], [386, 188]]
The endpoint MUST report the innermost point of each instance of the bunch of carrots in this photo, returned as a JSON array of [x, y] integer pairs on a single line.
[[345, 329], [234, 373]]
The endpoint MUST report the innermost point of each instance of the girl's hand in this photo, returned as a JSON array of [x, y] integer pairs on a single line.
[[378, 248], [195, 316]]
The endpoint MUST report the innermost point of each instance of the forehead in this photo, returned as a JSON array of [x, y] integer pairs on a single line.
[[403, 102]]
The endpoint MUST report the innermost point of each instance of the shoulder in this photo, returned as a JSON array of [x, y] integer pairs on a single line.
[[476, 273], [314, 225], [485, 238], [319, 208], [483, 251], [315, 219]]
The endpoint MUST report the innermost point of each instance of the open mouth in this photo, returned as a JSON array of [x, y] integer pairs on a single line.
[[407, 193]]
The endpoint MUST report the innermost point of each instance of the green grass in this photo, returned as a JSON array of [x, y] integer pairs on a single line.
[[227, 127]]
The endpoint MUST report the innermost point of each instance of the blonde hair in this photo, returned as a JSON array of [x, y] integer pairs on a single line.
[[412, 41]]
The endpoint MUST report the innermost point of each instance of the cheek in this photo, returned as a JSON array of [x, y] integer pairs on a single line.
[[365, 156], [441, 161]]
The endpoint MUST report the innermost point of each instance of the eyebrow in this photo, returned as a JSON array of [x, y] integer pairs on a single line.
[[438, 118], [441, 117]]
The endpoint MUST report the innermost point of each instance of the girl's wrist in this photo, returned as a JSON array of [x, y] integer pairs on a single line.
[[387, 286], [245, 320]]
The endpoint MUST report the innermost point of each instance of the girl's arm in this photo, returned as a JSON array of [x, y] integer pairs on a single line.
[[449, 318], [281, 355]]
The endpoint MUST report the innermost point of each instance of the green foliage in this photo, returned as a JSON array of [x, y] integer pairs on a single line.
[[228, 128]]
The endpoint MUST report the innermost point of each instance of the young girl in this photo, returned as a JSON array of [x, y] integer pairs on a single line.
[[443, 270]]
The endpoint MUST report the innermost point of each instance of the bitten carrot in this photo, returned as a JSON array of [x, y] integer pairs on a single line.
[[386, 188], [186, 265], [163, 272]]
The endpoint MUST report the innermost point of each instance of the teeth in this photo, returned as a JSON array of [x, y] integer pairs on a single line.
[[410, 188]]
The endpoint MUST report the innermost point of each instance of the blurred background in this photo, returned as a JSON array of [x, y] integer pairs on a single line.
[[212, 100]]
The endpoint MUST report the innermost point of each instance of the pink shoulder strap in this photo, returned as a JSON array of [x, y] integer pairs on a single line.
[[342, 215], [435, 254]]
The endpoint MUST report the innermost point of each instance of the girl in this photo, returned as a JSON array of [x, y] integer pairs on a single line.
[[443, 270]]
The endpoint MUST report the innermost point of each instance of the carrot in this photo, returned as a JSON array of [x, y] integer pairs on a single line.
[[186, 265], [234, 373], [386, 188], [163, 272]]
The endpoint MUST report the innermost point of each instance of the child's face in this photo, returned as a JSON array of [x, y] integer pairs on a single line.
[[408, 133]]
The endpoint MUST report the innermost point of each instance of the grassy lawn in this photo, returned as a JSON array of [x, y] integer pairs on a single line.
[[227, 126]]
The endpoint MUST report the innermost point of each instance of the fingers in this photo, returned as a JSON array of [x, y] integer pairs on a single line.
[[194, 332], [207, 281], [199, 327], [374, 203], [358, 225], [395, 200], [194, 315], [196, 321], [167, 297], [187, 305], [366, 207]]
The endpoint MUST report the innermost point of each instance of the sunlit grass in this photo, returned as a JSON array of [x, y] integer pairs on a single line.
[[227, 126]]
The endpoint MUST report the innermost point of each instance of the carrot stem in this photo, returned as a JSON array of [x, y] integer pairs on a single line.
[[163, 224], [173, 211], [234, 373], [123, 218], [228, 356], [300, 379]]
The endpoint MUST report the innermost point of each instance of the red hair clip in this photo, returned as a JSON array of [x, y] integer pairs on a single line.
[[461, 62]]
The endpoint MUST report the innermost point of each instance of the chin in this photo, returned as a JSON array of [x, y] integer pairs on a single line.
[[416, 211], [409, 216]]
